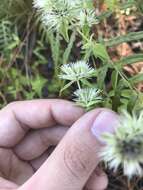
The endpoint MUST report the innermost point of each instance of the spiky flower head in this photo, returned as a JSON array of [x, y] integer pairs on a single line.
[[61, 15], [56, 14], [76, 71], [125, 147], [88, 98], [87, 17]]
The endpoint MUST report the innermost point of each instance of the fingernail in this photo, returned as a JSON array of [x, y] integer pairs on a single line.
[[106, 122]]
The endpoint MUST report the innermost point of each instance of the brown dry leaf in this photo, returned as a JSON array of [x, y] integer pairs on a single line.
[[126, 50]]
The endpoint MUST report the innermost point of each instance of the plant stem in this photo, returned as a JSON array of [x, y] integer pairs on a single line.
[[124, 78], [78, 84], [83, 36]]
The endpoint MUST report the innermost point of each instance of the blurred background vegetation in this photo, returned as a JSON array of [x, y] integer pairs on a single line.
[[31, 56]]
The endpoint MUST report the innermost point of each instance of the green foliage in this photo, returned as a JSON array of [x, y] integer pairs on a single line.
[[111, 4], [133, 36], [18, 10], [37, 84], [8, 37], [5, 34], [93, 48]]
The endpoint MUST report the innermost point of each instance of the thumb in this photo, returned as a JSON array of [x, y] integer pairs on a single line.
[[76, 157]]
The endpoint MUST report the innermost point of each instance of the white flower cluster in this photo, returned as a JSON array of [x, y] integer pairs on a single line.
[[61, 14], [87, 98], [87, 17], [125, 147], [76, 71]]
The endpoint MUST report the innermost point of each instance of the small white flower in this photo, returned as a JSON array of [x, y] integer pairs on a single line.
[[61, 15], [125, 147], [88, 97], [56, 13], [87, 17], [76, 71]]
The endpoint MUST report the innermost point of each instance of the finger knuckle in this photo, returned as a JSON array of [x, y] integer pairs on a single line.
[[9, 107], [12, 104], [76, 161]]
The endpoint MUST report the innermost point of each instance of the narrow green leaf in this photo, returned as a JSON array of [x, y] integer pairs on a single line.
[[133, 36], [127, 4], [104, 15], [101, 75], [136, 79], [100, 51], [111, 4], [114, 79], [86, 83], [66, 86], [130, 60], [64, 31], [126, 93], [69, 48], [132, 101]]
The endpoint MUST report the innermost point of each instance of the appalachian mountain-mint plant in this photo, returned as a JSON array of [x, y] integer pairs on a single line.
[[77, 19]]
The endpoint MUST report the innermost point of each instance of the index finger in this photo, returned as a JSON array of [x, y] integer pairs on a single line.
[[18, 117]]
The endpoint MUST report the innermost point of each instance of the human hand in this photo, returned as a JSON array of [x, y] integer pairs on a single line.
[[28, 128]]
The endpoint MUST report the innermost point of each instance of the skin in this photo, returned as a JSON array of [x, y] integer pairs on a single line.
[[27, 131]]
